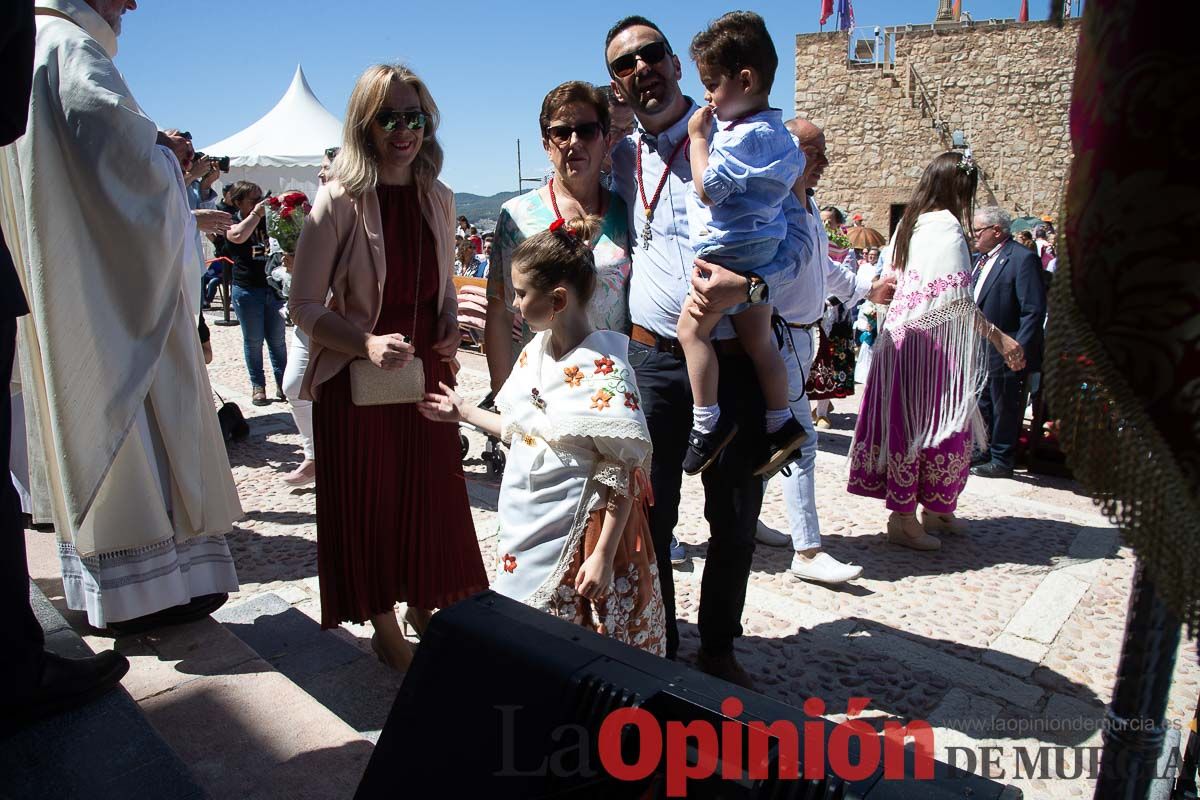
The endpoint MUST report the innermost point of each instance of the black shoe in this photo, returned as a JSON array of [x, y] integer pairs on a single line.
[[992, 470], [725, 667], [979, 459], [280, 396], [703, 448], [783, 443], [199, 608], [67, 683]]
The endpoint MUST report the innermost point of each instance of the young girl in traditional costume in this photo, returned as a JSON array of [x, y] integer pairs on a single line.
[[574, 540]]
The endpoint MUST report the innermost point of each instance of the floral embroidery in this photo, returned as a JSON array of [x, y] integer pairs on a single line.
[[536, 398], [573, 376], [604, 365], [910, 299], [600, 399], [510, 562], [524, 359], [631, 400]]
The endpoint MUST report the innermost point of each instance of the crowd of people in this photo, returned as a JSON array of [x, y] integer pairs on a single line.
[[640, 281]]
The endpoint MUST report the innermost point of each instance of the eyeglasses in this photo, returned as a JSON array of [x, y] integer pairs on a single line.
[[586, 131], [390, 120], [331, 152], [977, 231], [651, 54]]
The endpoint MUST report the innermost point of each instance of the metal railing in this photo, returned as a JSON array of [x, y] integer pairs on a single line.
[[872, 45]]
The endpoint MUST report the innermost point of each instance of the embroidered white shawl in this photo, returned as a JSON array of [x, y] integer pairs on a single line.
[[575, 426], [930, 350], [590, 393]]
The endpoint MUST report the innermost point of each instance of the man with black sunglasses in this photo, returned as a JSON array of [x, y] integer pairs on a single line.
[[652, 175]]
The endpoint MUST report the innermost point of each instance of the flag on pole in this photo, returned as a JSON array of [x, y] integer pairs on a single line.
[[826, 10], [845, 15], [957, 10], [1024, 15]]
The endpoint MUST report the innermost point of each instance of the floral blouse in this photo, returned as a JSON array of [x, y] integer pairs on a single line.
[[528, 214]]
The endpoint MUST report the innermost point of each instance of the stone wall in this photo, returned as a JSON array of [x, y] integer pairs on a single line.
[[1007, 87]]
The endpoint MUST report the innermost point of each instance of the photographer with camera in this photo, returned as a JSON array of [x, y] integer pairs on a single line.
[[256, 304]]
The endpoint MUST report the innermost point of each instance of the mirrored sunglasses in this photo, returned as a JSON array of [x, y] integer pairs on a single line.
[[586, 131], [624, 66], [390, 120]]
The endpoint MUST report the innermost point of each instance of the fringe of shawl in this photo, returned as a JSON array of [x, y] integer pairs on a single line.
[[937, 364]]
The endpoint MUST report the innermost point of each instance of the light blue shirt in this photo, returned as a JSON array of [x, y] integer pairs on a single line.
[[662, 271], [752, 164]]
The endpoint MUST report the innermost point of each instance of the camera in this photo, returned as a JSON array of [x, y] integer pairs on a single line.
[[222, 162]]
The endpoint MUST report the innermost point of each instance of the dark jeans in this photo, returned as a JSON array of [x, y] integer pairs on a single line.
[[21, 639], [732, 494], [1001, 404], [257, 310], [208, 287]]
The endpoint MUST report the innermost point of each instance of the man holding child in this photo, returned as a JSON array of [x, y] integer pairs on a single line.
[[652, 174]]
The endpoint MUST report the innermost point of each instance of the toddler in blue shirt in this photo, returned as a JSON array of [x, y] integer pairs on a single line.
[[742, 172]]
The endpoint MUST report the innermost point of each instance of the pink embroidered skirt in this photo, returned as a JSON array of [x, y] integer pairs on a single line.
[[931, 477]]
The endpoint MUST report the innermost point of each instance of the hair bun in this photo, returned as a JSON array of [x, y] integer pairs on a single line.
[[583, 229]]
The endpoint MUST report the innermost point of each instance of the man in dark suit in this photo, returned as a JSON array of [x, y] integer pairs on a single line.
[[1008, 288], [33, 682]]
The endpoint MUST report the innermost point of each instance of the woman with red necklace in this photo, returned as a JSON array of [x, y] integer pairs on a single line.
[[575, 133]]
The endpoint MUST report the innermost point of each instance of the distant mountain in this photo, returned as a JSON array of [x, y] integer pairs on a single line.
[[481, 211]]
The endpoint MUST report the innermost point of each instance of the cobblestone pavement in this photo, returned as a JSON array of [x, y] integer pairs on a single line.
[[1009, 636]]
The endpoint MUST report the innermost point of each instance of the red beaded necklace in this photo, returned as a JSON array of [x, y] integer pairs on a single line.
[[554, 202], [648, 207]]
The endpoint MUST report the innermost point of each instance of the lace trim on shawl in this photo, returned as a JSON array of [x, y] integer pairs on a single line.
[[614, 475], [937, 364]]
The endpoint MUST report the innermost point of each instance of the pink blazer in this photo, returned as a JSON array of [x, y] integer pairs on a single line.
[[340, 268]]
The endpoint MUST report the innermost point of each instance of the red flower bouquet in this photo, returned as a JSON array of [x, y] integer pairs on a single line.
[[285, 218]]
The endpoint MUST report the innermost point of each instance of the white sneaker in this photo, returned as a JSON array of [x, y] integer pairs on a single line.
[[823, 568], [772, 537]]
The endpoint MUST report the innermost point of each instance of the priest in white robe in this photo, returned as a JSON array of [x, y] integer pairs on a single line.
[[125, 453]]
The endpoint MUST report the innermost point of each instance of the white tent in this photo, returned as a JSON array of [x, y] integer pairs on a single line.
[[283, 150]]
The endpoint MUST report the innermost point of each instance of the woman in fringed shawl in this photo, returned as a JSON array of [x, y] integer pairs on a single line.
[[919, 416]]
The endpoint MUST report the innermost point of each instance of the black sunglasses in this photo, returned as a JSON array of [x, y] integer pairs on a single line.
[[624, 66], [586, 131], [331, 152], [390, 120]]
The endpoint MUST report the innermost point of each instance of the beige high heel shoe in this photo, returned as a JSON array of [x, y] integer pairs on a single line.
[[415, 622], [910, 535], [934, 522], [398, 665]]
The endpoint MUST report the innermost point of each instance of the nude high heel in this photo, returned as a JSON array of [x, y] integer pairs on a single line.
[[904, 530], [934, 522]]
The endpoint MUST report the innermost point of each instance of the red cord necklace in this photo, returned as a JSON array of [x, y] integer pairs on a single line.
[[554, 202], [648, 207]]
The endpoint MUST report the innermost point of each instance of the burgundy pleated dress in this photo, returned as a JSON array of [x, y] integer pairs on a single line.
[[393, 520]]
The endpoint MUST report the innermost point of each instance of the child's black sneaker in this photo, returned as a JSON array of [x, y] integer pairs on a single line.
[[703, 448], [783, 446]]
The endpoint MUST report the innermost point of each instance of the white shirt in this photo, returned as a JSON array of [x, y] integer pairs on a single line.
[[986, 267], [802, 299]]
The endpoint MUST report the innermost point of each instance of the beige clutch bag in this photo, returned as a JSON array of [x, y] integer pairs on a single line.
[[372, 386]]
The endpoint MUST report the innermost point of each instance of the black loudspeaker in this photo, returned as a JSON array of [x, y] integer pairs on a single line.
[[503, 701]]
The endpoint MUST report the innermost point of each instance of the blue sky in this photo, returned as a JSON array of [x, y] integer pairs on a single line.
[[213, 67]]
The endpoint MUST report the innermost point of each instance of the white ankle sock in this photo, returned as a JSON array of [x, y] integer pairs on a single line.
[[705, 418], [776, 418]]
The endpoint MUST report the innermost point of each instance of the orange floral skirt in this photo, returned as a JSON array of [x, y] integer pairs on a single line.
[[632, 609]]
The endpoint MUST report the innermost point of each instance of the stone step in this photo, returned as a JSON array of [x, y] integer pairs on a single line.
[[334, 667], [106, 750], [244, 728]]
